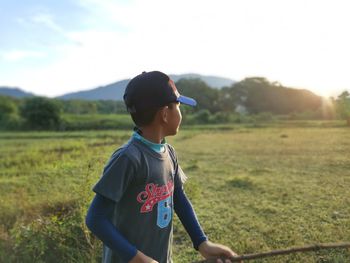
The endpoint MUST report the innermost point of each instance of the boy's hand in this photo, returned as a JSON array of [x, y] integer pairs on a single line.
[[212, 250], [142, 258]]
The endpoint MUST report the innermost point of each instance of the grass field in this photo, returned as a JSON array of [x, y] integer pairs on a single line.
[[254, 189]]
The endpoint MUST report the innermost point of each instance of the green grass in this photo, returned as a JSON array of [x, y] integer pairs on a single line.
[[254, 188]]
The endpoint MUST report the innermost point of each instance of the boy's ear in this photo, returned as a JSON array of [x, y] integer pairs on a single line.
[[164, 114]]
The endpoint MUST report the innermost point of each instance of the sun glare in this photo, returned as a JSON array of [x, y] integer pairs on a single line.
[[325, 93], [322, 90], [328, 109]]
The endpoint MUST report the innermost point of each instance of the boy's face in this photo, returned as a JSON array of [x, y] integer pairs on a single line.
[[174, 118]]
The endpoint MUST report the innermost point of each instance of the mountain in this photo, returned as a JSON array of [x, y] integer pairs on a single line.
[[15, 92], [115, 90]]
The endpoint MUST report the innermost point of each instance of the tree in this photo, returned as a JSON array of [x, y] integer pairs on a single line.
[[9, 119], [225, 100], [79, 106], [206, 97], [110, 106], [259, 95], [41, 113], [7, 107], [343, 106]]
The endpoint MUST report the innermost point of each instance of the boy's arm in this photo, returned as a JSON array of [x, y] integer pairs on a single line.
[[99, 224], [212, 250], [188, 218]]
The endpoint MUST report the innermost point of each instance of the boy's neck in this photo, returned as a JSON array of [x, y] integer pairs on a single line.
[[153, 135]]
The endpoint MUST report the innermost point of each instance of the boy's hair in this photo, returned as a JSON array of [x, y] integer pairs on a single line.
[[143, 118], [146, 93]]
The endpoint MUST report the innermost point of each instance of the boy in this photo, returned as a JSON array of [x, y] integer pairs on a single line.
[[142, 184]]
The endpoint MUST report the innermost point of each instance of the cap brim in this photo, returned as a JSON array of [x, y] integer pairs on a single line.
[[187, 101]]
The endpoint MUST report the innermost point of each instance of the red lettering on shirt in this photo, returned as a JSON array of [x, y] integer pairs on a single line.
[[153, 194]]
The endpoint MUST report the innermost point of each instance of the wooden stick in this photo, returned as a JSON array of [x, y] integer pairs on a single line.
[[272, 253]]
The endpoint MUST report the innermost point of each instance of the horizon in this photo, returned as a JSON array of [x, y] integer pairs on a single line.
[[62, 47], [190, 73]]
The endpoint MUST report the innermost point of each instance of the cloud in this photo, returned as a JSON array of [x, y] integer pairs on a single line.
[[17, 55], [47, 20], [289, 41]]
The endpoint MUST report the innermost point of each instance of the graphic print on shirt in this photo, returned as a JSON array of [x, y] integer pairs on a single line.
[[161, 195]]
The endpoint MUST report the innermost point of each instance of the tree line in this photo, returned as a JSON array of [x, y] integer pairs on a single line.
[[250, 96]]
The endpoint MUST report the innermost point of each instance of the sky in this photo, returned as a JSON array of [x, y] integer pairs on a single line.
[[52, 47]]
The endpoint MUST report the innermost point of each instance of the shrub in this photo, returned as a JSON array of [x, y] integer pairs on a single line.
[[54, 238], [220, 117], [201, 117], [264, 116], [41, 113]]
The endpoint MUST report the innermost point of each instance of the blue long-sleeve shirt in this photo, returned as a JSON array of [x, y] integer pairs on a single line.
[[97, 220]]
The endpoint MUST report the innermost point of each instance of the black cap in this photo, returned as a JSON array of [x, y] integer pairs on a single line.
[[151, 90]]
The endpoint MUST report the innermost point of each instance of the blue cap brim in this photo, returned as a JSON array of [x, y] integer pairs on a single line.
[[187, 101]]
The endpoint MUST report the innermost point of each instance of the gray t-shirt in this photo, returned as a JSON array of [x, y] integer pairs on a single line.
[[141, 182]]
